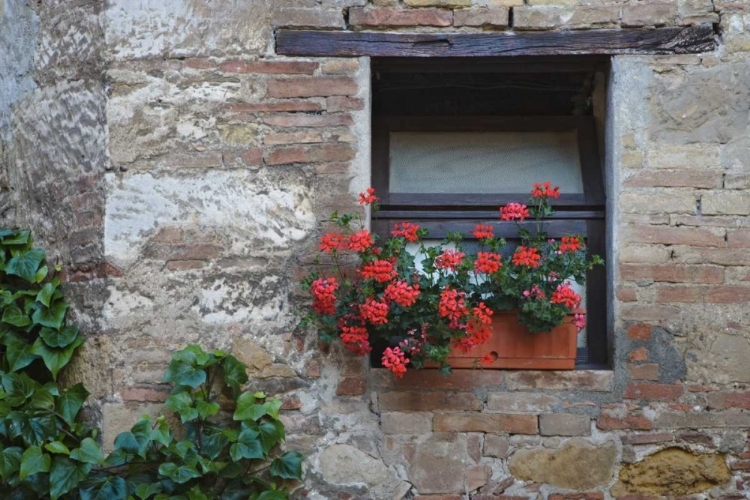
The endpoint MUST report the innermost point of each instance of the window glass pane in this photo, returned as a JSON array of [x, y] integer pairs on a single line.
[[483, 162]]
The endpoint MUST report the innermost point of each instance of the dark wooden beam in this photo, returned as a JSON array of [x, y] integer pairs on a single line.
[[676, 40]]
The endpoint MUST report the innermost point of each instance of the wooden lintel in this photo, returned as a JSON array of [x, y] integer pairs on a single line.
[[674, 40]]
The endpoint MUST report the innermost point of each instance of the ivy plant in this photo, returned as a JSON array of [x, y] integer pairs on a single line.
[[226, 447]]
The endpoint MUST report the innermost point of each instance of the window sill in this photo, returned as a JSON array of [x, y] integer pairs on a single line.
[[510, 380]]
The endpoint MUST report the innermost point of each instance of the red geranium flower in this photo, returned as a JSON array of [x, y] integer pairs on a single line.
[[406, 230], [374, 311], [356, 339], [360, 241], [395, 361], [324, 292], [449, 259], [545, 190], [452, 306], [380, 270], [565, 295], [402, 293], [570, 244], [514, 211], [368, 197], [526, 256], [331, 242], [487, 262], [482, 232]]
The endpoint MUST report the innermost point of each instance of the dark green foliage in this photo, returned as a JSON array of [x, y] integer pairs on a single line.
[[47, 453]]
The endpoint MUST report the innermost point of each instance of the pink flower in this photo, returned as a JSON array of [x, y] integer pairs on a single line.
[[580, 321]]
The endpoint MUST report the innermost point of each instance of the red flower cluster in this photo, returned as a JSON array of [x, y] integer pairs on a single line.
[[482, 232], [487, 359], [449, 259], [565, 295], [402, 293], [360, 241], [487, 262], [477, 328], [406, 230], [381, 271], [331, 242], [368, 197], [374, 311], [324, 291], [452, 306], [514, 211], [526, 256], [570, 244], [546, 189], [395, 361], [356, 339]]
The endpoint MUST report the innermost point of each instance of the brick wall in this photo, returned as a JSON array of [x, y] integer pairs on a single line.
[[222, 158]]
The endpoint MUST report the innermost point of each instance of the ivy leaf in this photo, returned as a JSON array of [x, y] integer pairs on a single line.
[[214, 441], [40, 274], [137, 440], [52, 316], [13, 237], [10, 461], [25, 264], [195, 493], [18, 388], [57, 447], [235, 373], [272, 407], [288, 466], [182, 404], [14, 316], [66, 475], [33, 461], [207, 409], [270, 434], [70, 403], [185, 369], [88, 452], [178, 474], [161, 433], [59, 338], [19, 352], [104, 488], [42, 400], [55, 359], [45, 294], [248, 445], [272, 495], [144, 490], [247, 409]]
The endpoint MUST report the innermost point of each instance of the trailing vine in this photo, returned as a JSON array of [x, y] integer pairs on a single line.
[[227, 452]]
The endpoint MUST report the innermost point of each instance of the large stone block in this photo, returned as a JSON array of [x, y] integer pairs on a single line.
[[672, 472], [578, 465]]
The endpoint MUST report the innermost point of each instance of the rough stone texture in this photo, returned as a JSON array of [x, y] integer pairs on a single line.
[[578, 465], [564, 424], [673, 471]]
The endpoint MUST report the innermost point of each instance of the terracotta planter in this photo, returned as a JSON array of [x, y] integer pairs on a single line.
[[514, 347]]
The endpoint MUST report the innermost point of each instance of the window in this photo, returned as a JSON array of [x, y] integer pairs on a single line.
[[453, 140]]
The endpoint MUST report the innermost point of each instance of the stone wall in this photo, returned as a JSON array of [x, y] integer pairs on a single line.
[[180, 169]]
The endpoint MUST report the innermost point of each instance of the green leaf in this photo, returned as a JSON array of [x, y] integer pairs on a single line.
[[59, 338], [15, 237], [14, 316], [272, 407], [185, 369], [248, 445], [288, 466], [70, 403], [207, 409], [26, 264], [271, 433], [104, 488], [137, 440], [195, 493], [18, 388], [65, 475], [51, 316], [88, 452], [42, 400], [160, 433], [214, 441], [235, 373], [182, 404], [33, 461], [144, 491], [247, 409], [45, 294], [10, 461], [178, 474], [55, 359], [40, 274], [19, 352], [57, 447], [272, 495]]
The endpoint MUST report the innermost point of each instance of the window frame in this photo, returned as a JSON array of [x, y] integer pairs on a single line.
[[583, 214]]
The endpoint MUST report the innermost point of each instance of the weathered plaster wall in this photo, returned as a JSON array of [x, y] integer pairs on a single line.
[[181, 170]]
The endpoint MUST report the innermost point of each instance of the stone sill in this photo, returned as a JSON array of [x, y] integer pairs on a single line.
[[511, 380]]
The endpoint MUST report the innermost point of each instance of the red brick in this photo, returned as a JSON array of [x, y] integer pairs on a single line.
[[640, 354], [315, 17], [310, 154], [351, 387], [675, 178], [312, 87], [312, 368], [662, 437], [626, 294], [723, 400], [739, 238], [270, 67], [245, 107], [486, 422], [382, 17], [632, 421], [308, 120], [301, 137], [672, 273], [291, 403], [653, 391], [252, 156], [647, 371], [694, 236], [639, 331], [740, 465], [585, 380], [433, 379], [719, 294], [153, 394], [428, 401], [199, 63], [343, 103]]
